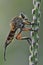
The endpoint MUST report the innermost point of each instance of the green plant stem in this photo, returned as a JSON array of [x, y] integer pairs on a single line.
[[33, 58]]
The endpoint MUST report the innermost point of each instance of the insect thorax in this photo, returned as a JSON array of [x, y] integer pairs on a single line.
[[18, 22]]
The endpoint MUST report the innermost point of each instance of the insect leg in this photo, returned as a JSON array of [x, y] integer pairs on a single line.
[[27, 38], [26, 29], [19, 36], [27, 23]]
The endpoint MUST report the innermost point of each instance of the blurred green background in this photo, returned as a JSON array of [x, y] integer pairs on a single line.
[[17, 51]]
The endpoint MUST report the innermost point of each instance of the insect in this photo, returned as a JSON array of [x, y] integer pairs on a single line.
[[17, 22]]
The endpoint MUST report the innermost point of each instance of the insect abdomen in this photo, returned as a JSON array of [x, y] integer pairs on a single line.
[[8, 41]]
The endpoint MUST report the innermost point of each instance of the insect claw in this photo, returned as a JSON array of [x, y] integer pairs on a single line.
[[29, 41]]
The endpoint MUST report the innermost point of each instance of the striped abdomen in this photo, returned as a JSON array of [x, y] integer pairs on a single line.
[[8, 41]]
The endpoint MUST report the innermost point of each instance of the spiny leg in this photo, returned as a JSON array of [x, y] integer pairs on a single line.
[[26, 29], [19, 36]]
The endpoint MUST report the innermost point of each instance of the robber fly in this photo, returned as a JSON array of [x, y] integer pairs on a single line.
[[17, 22]]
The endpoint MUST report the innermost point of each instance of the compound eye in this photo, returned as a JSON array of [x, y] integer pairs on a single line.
[[22, 15]]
